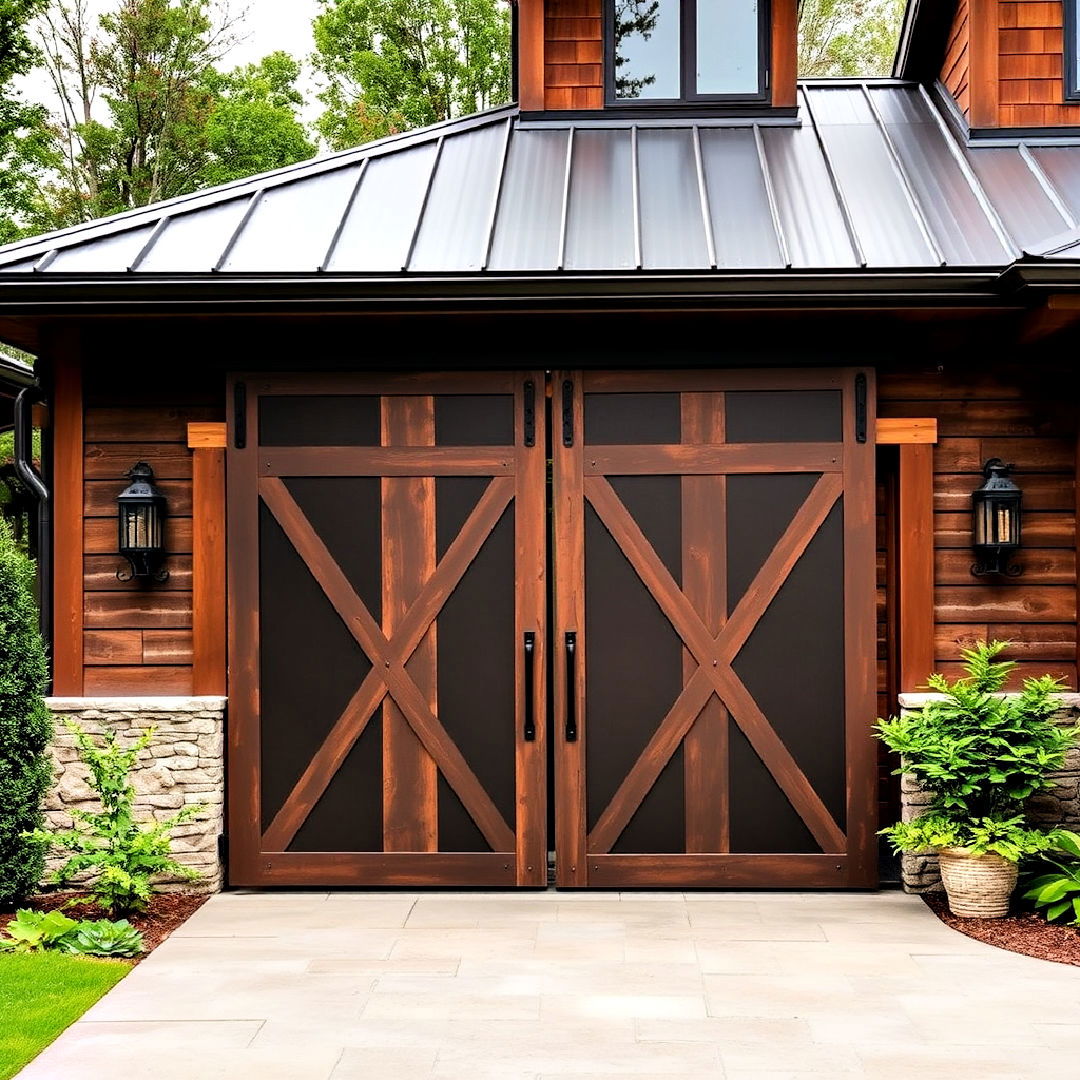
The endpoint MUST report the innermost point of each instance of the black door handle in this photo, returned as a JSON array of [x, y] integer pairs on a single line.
[[530, 660], [571, 687]]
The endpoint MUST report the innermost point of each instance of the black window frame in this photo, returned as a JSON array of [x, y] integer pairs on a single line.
[[688, 64], [1072, 28]]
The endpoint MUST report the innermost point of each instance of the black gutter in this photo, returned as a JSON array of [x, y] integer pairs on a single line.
[[31, 479], [114, 294]]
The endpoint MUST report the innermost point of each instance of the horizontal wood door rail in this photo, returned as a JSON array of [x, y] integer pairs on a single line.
[[386, 460]]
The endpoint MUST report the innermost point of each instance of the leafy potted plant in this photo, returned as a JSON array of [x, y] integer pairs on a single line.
[[981, 753]]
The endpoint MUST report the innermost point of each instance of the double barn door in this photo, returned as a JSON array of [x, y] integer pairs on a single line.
[[648, 597]]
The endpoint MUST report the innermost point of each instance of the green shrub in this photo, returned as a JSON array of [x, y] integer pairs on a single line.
[[25, 725], [981, 754], [103, 938], [124, 854], [1052, 886], [33, 930]]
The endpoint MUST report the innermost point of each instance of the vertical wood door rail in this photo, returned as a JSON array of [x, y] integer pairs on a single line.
[[209, 663]]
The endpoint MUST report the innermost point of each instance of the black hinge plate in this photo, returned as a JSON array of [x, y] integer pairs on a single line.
[[860, 407], [240, 415], [567, 413], [530, 413]]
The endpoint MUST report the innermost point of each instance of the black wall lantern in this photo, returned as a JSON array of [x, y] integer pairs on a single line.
[[995, 521], [142, 526]]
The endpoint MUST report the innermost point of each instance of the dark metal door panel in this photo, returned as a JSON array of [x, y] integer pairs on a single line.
[[714, 573], [387, 620]]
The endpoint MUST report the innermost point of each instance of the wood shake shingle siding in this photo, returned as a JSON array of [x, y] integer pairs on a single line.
[[573, 55], [1031, 64], [956, 68]]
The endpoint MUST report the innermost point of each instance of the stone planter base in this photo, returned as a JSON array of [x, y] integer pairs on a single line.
[[184, 765], [978, 886]]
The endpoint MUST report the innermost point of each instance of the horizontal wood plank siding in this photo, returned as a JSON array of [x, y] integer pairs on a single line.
[[1012, 416], [138, 638]]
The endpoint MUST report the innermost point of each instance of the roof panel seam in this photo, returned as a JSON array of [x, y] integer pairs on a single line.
[[703, 192], [340, 227], [770, 195], [497, 196], [564, 217], [1047, 185], [245, 217], [423, 203]]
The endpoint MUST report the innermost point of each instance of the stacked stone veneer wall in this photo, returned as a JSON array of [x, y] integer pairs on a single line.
[[1060, 805], [184, 765]]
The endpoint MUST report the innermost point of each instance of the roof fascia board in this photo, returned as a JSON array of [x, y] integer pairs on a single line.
[[924, 36]]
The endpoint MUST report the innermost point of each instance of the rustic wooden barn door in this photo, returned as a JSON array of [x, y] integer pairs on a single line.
[[387, 632], [714, 630]]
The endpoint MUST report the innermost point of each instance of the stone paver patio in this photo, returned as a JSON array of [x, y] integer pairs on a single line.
[[390, 986]]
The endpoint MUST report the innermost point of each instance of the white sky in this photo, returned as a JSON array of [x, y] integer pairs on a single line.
[[264, 26]]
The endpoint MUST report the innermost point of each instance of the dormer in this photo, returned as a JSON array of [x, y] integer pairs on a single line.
[[656, 58], [1008, 69]]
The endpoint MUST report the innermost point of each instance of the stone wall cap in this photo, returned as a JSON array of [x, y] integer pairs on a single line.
[[136, 704], [917, 701]]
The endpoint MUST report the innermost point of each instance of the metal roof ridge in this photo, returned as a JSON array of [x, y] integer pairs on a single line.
[[153, 213]]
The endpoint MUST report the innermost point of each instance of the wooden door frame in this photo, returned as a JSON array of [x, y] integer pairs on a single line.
[[847, 859], [518, 475]]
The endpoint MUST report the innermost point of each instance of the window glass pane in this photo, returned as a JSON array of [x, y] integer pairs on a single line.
[[727, 46], [647, 49]]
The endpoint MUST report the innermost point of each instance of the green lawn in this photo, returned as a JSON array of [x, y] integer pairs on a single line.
[[40, 994]]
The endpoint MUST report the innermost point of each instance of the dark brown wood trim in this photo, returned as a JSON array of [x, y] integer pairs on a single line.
[[67, 485], [209, 663], [860, 635], [569, 527], [270, 384], [410, 778], [704, 581], [377, 869], [684, 459], [916, 565], [419, 461], [720, 871], [714, 381]]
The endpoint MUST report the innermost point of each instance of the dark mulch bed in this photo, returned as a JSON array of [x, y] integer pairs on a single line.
[[167, 911], [1020, 932]]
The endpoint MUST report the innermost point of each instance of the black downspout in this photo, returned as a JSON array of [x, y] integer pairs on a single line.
[[24, 469]]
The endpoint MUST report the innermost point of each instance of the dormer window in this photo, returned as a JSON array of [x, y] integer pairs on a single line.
[[672, 51]]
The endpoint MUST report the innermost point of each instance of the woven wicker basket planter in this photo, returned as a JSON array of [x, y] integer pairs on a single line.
[[978, 886]]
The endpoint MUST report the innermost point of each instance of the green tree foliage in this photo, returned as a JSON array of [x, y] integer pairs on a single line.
[[848, 37], [25, 726], [633, 18], [23, 135], [144, 113], [390, 65]]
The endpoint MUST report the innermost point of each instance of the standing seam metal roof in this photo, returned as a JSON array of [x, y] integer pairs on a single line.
[[872, 178]]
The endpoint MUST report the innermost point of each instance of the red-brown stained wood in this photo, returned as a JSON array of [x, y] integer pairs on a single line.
[[134, 647], [784, 53], [916, 564], [111, 461], [100, 497], [704, 580], [147, 610], [142, 681], [573, 73], [67, 511], [143, 424], [410, 778], [568, 518], [210, 659], [99, 575]]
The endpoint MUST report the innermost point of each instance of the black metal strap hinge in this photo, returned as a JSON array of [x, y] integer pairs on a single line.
[[530, 413], [240, 415], [860, 408], [567, 413]]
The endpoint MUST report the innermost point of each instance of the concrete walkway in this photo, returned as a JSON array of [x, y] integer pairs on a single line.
[[464, 986]]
